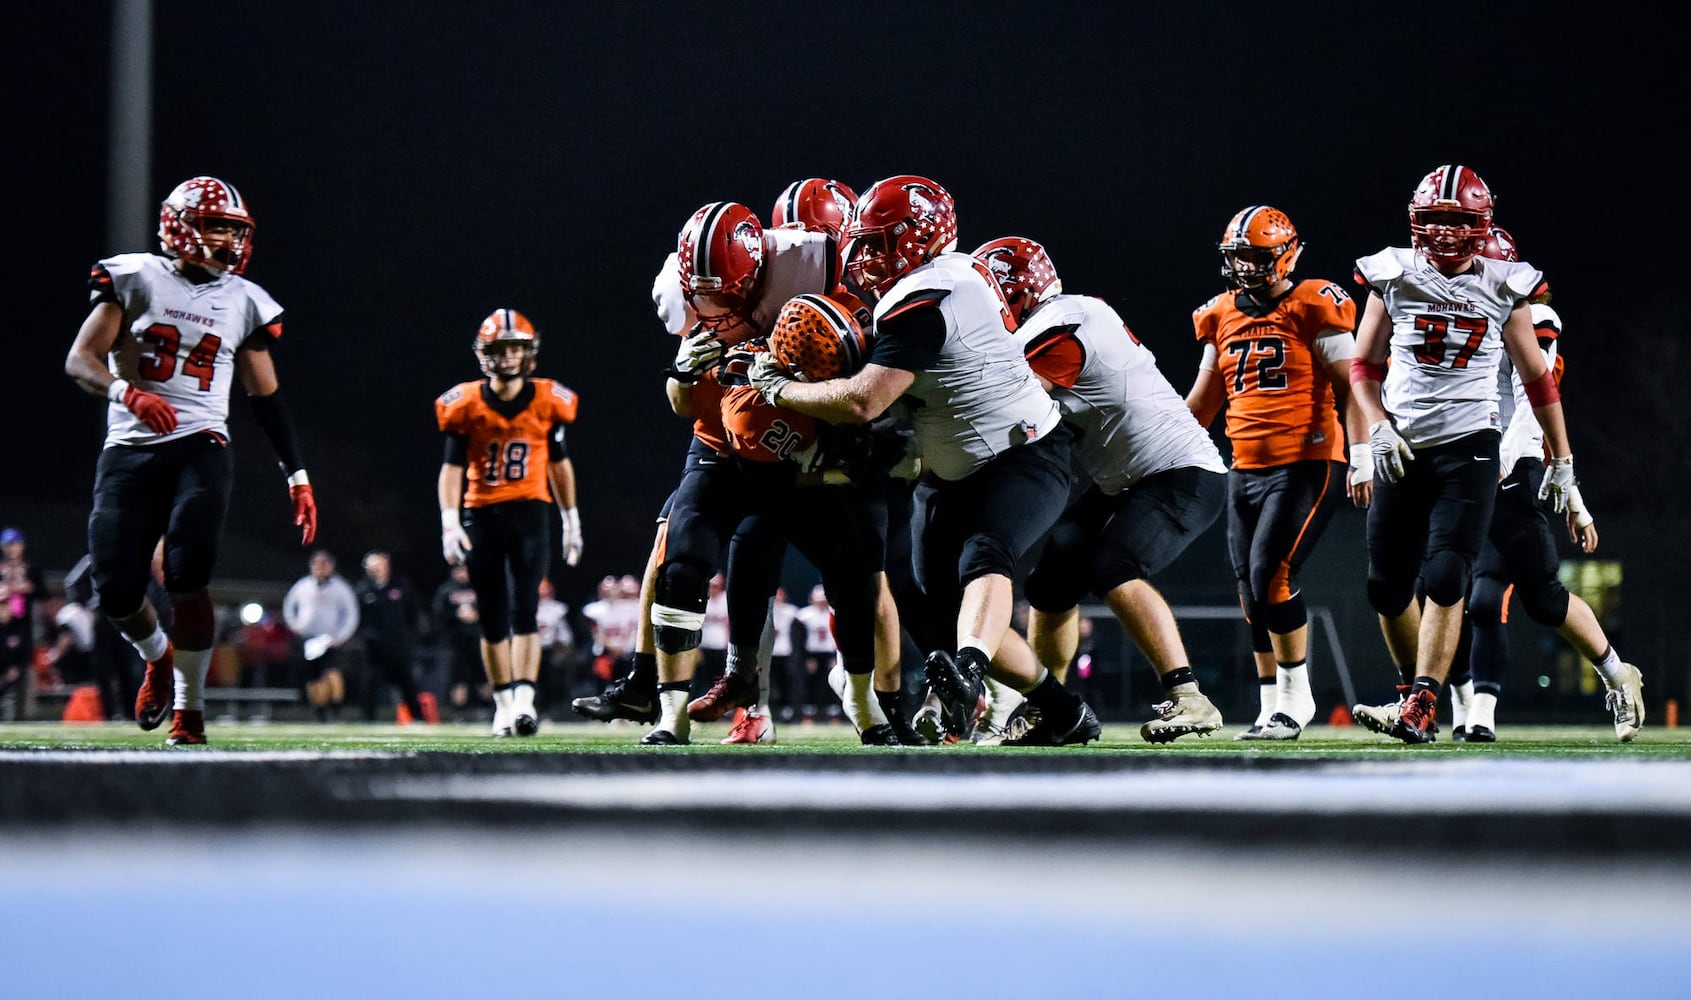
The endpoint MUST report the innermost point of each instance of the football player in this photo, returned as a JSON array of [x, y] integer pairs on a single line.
[[164, 342], [1277, 351], [993, 445], [1444, 316], [1153, 480], [505, 463], [1520, 552]]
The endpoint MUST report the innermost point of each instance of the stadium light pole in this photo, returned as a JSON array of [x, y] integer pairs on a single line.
[[129, 175]]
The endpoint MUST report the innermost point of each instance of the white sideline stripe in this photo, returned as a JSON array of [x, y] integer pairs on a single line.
[[1431, 788]]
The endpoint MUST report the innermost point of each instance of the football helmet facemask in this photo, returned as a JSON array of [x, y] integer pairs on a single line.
[[1450, 214], [819, 337], [816, 204], [1023, 271], [205, 221], [506, 344], [1259, 249], [721, 251], [900, 224]]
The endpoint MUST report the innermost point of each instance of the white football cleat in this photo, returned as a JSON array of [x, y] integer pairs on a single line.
[[501, 721], [1627, 703]]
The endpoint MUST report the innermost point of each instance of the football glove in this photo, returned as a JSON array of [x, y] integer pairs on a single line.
[[305, 506], [1361, 464], [768, 377], [151, 408], [571, 520], [1558, 483], [454, 542], [1390, 450], [699, 350]]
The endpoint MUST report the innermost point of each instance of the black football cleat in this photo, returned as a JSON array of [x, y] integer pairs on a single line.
[[880, 736], [906, 733], [1480, 734], [621, 699], [1079, 728], [960, 693]]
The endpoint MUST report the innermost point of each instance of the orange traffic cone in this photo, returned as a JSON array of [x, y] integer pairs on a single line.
[[431, 708], [1340, 717]]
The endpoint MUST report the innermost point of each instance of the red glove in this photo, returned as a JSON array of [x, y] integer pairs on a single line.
[[157, 414], [305, 512]]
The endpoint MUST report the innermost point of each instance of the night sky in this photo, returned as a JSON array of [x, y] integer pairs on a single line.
[[414, 166]]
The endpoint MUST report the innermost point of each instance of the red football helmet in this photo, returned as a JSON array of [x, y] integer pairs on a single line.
[[1449, 214], [1499, 245], [502, 330], [189, 229], [819, 337], [1259, 248], [1023, 271], [816, 204], [721, 249], [901, 223]]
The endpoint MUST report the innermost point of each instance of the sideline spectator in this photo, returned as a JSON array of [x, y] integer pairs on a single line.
[[783, 692], [266, 646], [389, 619], [21, 589], [458, 630], [322, 611], [615, 620], [818, 658]]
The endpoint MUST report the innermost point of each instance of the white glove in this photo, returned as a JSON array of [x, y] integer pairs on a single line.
[[769, 378], [1361, 464], [571, 535], [1390, 450], [699, 350], [1558, 483], [1576, 506], [454, 543]]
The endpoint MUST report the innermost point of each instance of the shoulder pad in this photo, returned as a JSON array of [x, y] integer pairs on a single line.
[[1386, 265], [1522, 278], [1545, 322]]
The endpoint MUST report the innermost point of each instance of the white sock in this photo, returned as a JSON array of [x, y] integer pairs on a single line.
[[975, 642], [1609, 668], [153, 646], [522, 698], [1291, 688], [1461, 698], [1268, 698], [765, 656], [191, 667], [502, 701], [861, 702], [1482, 711], [1001, 700], [672, 712]]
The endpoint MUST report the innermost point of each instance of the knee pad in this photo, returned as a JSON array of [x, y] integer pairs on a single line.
[[194, 623], [1446, 576], [1546, 601], [1287, 616], [985, 555], [1485, 600], [187, 569], [1388, 598], [678, 606]]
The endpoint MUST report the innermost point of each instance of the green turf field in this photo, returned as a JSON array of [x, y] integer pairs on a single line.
[[1318, 741]]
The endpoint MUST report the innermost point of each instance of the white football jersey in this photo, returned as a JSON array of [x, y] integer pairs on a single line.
[[1447, 339], [1129, 421], [798, 263], [178, 340], [980, 398], [1522, 436]]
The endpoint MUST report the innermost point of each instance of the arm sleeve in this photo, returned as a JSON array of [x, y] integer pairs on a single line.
[[457, 450], [909, 339], [556, 449], [278, 426]]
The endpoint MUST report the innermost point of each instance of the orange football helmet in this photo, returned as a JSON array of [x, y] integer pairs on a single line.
[[819, 337], [1259, 248], [501, 330]]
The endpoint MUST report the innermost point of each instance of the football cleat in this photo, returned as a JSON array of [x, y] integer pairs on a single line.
[[1380, 718], [737, 689], [1080, 728], [1478, 734], [158, 691], [525, 724], [621, 699], [501, 722], [661, 738], [880, 736], [961, 694], [1460, 734], [1182, 715], [1627, 703], [187, 728], [1415, 721], [901, 727], [1253, 733], [749, 728], [1281, 727], [929, 724]]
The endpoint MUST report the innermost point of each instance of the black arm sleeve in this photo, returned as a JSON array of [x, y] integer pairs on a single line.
[[278, 426], [556, 450], [457, 450], [910, 339]]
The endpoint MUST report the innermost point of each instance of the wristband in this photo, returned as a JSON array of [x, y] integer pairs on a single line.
[[1367, 371], [298, 478], [449, 520], [1542, 391], [117, 390], [1360, 455]]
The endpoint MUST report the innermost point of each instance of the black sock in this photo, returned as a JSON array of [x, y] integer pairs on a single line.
[[1488, 687], [645, 670], [1424, 683], [1178, 676], [892, 703], [686, 685], [1052, 698]]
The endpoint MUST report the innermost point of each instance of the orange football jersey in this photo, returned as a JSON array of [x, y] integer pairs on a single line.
[[707, 408], [1280, 406], [759, 431], [507, 440]]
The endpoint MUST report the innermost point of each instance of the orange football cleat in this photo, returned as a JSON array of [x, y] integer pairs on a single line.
[[158, 691], [187, 728]]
